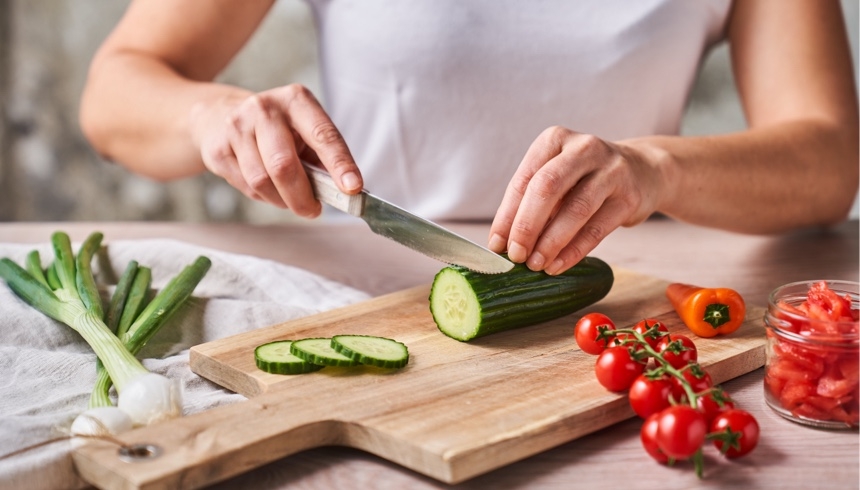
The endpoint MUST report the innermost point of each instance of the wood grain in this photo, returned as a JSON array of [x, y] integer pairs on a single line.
[[458, 410]]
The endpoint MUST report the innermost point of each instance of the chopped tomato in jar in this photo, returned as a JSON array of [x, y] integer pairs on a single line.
[[813, 367]]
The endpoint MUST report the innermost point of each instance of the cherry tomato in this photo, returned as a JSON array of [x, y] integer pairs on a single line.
[[588, 328], [698, 378], [648, 396], [648, 436], [647, 324], [616, 369], [741, 423], [713, 403], [678, 350], [681, 431]]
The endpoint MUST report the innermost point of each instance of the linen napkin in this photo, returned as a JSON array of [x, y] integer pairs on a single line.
[[47, 370]]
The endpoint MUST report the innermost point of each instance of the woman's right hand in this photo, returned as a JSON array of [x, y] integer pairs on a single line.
[[257, 142]]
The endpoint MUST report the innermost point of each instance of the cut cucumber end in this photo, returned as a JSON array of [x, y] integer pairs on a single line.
[[454, 306], [276, 358], [372, 351]]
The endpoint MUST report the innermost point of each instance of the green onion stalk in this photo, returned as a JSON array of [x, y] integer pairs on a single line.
[[67, 293]]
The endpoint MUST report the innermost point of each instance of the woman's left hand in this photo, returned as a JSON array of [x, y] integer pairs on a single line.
[[570, 191]]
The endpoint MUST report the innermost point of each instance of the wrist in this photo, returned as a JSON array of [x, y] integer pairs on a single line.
[[661, 165]]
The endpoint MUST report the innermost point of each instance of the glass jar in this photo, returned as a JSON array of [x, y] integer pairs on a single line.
[[811, 365]]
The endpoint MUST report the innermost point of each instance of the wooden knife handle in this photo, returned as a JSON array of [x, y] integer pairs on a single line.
[[326, 191]]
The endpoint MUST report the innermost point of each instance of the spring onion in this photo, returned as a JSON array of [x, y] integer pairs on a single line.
[[71, 297], [167, 302]]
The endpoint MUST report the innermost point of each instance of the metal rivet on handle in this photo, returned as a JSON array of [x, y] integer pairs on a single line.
[[136, 453]]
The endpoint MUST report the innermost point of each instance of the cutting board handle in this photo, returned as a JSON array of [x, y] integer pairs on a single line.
[[326, 191], [204, 448]]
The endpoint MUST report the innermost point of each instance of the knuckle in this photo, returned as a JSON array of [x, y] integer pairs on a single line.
[[258, 182], [325, 133], [590, 146], [282, 165], [519, 183], [547, 184], [523, 228], [296, 91], [591, 141], [556, 133], [550, 244], [219, 153], [252, 108], [340, 163], [235, 123], [573, 252], [577, 208], [593, 232]]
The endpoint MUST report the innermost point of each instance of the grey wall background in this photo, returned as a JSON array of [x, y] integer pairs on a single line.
[[49, 173]]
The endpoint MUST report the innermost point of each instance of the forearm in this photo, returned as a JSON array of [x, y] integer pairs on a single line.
[[136, 111], [764, 180]]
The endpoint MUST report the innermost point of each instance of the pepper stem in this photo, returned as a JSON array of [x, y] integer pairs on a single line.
[[717, 314]]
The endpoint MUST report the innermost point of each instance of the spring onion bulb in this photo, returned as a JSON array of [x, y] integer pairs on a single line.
[[151, 398], [100, 422]]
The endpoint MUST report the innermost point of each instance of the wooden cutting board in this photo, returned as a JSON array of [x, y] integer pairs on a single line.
[[455, 411]]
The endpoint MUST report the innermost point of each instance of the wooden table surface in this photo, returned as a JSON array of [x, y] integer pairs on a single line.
[[788, 456]]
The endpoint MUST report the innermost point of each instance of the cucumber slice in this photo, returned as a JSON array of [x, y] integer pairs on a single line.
[[319, 351], [373, 351], [276, 358]]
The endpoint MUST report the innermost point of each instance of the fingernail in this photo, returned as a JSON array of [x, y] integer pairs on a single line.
[[350, 181], [497, 243], [555, 268], [517, 252], [536, 261]]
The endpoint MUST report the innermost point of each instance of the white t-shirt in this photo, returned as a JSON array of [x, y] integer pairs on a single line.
[[439, 100]]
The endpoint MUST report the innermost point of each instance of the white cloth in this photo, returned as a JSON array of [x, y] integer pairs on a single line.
[[440, 99], [47, 371]]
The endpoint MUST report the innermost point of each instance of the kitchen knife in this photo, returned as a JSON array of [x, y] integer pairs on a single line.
[[403, 227]]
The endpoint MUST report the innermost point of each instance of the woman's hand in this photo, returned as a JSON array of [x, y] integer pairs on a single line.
[[256, 142], [570, 191]]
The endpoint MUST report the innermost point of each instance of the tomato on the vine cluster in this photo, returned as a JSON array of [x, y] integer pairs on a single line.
[[668, 388]]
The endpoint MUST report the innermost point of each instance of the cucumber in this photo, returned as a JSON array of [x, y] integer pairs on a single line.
[[373, 351], [467, 304], [320, 351], [276, 358]]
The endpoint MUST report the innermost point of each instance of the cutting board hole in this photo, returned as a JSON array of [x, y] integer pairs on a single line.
[[139, 452]]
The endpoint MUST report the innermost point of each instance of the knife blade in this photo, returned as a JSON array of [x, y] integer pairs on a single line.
[[415, 232]]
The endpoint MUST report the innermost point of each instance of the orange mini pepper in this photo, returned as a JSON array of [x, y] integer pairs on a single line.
[[708, 312]]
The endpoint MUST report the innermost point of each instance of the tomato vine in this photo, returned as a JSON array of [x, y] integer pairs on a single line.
[[674, 394]]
